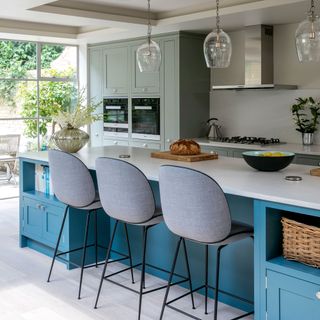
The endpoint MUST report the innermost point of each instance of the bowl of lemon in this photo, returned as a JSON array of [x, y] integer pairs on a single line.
[[268, 160]]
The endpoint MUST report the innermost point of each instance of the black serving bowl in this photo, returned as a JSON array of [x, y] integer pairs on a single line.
[[268, 160]]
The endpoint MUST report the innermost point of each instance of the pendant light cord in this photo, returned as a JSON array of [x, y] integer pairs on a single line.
[[218, 16], [149, 23]]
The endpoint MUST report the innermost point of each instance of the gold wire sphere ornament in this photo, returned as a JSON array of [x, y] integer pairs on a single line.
[[308, 37], [217, 46], [149, 54]]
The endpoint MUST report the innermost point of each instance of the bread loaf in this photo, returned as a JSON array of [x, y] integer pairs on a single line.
[[185, 147]]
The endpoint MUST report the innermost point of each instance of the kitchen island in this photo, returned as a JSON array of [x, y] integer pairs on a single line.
[[258, 198]]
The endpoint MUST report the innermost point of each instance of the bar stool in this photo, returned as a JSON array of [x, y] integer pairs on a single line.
[[127, 197], [196, 199], [73, 185]]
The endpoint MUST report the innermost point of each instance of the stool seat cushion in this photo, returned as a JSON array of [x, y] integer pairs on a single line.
[[238, 232], [157, 218], [95, 205]]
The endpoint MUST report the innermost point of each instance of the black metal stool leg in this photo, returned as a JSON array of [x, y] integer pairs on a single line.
[[217, 283], [206, 279], [129, 251], [84, 251], [58, 242], [170, 278], [188, 271], [106, 263], [145, 234], [96, 235]]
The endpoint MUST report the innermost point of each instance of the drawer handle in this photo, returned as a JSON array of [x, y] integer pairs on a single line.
[[115, 142], [318, 295], [144, 89], [38, 206], [168, 140], [144, 145], [115, 90]]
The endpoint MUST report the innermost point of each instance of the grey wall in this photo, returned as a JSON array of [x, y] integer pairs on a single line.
[[267, 112]]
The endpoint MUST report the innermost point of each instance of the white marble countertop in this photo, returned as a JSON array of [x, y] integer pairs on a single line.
[[234, 175], [291, 147]]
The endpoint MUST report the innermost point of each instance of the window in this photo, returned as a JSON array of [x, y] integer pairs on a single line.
[[36, 81]]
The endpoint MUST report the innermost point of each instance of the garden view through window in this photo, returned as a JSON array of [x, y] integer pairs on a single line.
[[36, 81]]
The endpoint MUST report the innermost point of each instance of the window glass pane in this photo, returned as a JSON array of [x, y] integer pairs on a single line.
[[55, 96], [58, 61], [23, 128], [18, 59], [18, 99]]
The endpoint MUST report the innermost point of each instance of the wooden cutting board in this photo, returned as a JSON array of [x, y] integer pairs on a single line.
[[199, 157], [315, 172]]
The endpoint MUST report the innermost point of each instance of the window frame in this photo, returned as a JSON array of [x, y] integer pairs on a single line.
[[38, 79]]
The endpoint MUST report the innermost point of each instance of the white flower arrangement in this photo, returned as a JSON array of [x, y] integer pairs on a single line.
[[82, 115]]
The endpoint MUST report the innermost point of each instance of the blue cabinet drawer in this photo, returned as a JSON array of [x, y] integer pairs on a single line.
[[41, 221], [289, 298]]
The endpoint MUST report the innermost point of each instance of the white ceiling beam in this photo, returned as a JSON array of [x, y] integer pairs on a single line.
[[110, 19]]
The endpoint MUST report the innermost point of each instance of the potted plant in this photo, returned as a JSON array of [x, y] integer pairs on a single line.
[[71, 138], [306, 114]]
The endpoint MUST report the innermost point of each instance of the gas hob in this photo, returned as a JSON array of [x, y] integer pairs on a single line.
[[250, 140]]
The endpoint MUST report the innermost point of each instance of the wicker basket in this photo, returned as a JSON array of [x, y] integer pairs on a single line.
[[301, 242]]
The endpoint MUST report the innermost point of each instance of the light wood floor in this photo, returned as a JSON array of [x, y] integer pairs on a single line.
[[25, 294]]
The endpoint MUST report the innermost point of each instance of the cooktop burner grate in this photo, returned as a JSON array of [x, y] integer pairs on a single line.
[[250, 140]]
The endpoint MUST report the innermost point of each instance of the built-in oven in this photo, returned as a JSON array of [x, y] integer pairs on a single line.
[[115, 117], [146, 118]]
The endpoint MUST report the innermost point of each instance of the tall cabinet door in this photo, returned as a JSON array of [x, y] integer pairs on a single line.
[[115, 62], [171, 92], [290, 298], [143, 82], [96, 83]]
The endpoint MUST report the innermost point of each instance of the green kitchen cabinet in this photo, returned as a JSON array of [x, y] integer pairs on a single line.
[[95, 92], [307, 160], [144, 83], [186, 86], [115, 64], [182, 83]]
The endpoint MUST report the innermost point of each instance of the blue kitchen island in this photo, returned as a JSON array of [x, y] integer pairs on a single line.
[[280, 289]]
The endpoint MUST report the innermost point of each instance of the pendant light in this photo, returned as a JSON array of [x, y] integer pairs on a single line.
[[149, 53], [308, 37], [217, 46]]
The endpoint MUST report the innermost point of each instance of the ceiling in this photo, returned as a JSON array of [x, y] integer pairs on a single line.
[[102, 20]]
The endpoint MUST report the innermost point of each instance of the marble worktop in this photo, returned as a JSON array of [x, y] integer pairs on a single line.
[[234, 175]]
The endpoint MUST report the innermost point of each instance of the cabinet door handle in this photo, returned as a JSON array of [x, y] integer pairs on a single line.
[[318, 295], [115, 142], [144, 145], [144, 89], [168, 140], [38, 206], [97, 134], [115, 90]]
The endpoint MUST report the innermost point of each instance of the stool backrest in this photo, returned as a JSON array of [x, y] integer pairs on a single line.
[[193, 205], [125, 192], [71, 180]]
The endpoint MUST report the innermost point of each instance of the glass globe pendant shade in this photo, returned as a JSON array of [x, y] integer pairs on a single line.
[[217, 49], [308, 40], [149, 57]]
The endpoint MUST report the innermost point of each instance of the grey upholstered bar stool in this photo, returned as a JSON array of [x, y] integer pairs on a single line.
[[73, 185], [196, 199], [127, 197]]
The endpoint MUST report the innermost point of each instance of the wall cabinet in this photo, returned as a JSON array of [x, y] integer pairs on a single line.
[[289, 298], [144, 83], [115, 77]]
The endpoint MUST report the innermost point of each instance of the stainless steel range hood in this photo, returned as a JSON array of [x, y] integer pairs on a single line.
[[251, 64]]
